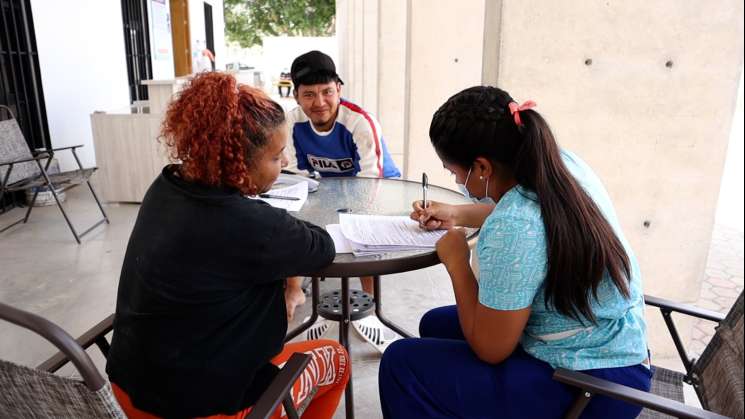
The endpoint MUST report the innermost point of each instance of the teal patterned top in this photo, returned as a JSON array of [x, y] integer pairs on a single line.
[[513, 264]]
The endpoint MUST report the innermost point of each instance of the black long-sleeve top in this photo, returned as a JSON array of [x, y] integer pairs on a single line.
[[200, 308]]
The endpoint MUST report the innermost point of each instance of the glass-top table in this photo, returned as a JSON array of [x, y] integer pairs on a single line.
[[359, 195], [378, 197]]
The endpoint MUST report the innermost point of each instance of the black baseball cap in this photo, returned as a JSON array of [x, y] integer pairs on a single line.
[[312, 62]]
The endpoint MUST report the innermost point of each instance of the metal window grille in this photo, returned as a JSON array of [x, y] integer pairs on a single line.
[[137, 45], [208, 30], [20, 78]]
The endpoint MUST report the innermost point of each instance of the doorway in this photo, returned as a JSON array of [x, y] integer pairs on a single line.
[[181, 36]]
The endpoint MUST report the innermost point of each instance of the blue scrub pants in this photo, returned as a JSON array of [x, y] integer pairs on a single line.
[[439, 376]]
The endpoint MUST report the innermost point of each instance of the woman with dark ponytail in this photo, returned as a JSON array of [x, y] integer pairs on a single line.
[[558, 284]]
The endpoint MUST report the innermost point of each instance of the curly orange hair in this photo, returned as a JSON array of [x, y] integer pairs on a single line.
[[215, 126]]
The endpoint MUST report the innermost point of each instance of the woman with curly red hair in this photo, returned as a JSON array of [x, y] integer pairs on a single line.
[[200, 316]]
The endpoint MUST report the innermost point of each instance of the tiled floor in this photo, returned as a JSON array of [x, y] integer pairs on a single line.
[[42, 270], [723, 282]]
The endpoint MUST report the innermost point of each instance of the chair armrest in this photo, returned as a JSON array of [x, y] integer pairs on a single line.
[[40, 150], [39, 156], [688, 309], [280, 387], [59, 338], [85, 340], [595, 386]]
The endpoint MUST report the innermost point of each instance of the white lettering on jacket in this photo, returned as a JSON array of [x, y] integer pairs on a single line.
[[324, 164]]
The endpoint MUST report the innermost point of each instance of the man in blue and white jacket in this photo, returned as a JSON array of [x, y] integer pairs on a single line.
[[333, 137]]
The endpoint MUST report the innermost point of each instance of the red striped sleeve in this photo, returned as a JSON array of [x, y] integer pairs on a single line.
[[378, 148]]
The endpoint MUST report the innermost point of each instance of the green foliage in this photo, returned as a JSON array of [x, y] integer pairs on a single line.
[[247, 21]]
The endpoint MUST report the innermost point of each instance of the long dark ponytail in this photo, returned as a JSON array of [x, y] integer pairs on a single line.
[[581, 245]]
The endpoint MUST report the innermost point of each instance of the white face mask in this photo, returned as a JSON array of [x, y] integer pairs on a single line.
[[462, 186], [485, 200]]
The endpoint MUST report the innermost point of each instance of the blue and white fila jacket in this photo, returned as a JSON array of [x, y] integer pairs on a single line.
[[353, 147]]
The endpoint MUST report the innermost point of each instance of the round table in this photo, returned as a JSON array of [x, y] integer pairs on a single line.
[[372, 196], [359, 195]]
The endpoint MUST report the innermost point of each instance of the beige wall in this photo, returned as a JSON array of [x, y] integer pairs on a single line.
[[656, 134]]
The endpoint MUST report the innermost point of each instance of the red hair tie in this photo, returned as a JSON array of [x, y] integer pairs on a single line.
[[515, 110]]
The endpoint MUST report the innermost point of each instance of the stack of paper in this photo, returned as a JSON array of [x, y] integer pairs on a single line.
[[298, 190], [376, 234], [285, 179], [340, 242]]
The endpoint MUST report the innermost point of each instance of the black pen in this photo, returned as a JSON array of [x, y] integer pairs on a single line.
[[425, 184], [270, 196]]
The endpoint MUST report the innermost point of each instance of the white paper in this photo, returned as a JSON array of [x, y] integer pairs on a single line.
[[340, 242], [298, 190], [285, 179], [380, 233]]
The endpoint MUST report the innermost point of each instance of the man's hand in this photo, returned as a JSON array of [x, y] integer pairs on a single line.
[[294, 297], [452, 248], [437, 216]]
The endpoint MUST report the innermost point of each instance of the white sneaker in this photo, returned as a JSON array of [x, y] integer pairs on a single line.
[[374, 332], [319, 328]]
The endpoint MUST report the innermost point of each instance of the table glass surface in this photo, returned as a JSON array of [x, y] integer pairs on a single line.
[[370, 196]]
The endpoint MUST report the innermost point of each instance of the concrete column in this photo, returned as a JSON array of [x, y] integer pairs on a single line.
[[373, 63], [446, 57], [394, 77], [491, 49], [358, 64]]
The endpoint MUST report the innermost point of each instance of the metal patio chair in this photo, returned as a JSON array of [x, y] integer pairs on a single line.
[[38, 393], [22, 169], [29, 392], [717, 376]]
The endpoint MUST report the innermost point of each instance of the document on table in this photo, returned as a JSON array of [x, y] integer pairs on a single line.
[[285, 179], [380, 233], [340, 242], [298, 190]]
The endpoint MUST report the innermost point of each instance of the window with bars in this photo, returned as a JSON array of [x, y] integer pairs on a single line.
[[137, 46], [20, 77], [20, 80]]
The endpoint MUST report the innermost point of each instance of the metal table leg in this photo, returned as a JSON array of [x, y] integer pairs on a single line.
[[315, 292], [344, 325], [379, 310]]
